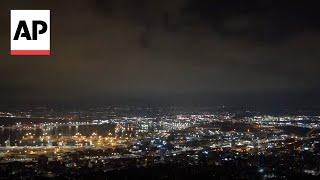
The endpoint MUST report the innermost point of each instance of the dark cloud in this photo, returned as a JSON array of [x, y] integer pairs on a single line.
[[167, 48], [262, 20]]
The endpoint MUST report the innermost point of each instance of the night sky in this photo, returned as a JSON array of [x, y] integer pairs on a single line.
[[177, 51]]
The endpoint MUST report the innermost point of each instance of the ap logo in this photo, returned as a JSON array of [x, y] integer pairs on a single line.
[[30, 32]]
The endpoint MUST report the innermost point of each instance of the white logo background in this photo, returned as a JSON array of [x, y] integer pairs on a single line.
[[43, 41]]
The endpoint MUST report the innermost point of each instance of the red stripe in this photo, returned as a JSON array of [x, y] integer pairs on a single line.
[[30, 52]]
